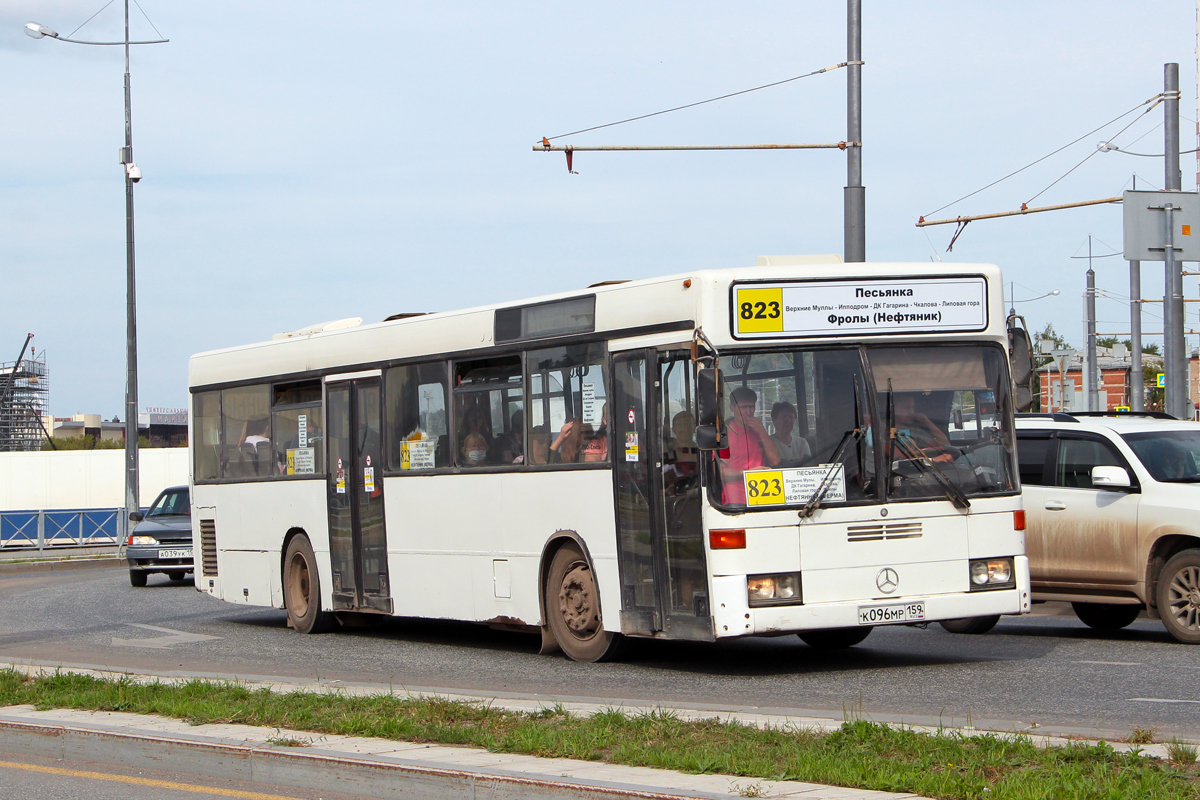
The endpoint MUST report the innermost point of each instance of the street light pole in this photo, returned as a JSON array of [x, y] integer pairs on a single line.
[[132, 502], [132, 176]]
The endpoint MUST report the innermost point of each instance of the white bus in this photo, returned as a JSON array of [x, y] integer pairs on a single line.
[[800, 446]]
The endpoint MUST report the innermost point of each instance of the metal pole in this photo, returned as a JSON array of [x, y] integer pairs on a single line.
[[131, 384], [1174, 348], [1092, 373], [1137, 381], [855, 212]]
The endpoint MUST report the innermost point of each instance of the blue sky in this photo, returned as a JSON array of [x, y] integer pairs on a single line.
[[311, 161]]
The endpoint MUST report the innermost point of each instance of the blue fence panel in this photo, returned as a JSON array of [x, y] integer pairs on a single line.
[[18, 529], [60, 528]]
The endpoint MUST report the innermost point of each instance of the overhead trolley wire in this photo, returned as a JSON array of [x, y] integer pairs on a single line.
[[1153, 100], [89, 19], [712, 100], [1152, 103]]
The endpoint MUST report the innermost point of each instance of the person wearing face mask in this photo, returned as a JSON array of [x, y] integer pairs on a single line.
[[474, 450]]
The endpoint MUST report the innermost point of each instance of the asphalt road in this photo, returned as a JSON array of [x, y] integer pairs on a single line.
[[1047, 668], [24, 776]]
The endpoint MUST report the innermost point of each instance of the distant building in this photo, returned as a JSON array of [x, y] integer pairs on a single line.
[[163, 427], [1066, 392], [24, 389]]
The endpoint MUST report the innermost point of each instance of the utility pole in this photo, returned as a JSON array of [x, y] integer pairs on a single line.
[[855, 212], [1174, 348], [1091, 374], [1137, 381]]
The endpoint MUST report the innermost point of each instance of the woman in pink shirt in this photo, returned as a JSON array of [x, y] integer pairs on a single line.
[[747, 446]]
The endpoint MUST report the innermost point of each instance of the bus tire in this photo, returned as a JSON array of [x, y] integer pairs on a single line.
[[302, 588], [573, 609], [972, 625], [1106, 616], [836, 638], [1179, 596]]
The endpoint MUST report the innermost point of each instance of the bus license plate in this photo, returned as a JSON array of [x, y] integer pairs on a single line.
[[175, 553], [882, 615]]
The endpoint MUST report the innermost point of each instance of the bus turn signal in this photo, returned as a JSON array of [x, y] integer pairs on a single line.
[[727, 539]]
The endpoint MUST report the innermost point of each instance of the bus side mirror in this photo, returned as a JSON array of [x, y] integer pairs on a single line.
[[710, 400]]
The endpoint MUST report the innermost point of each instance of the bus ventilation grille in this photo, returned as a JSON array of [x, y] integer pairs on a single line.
[[880, 530], [208, 546]]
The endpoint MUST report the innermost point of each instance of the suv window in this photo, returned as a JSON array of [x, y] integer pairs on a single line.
[[1076, 457], [1031, 455]]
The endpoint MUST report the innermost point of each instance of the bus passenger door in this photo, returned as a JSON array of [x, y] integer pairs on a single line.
[[664, 585], [357, 538]]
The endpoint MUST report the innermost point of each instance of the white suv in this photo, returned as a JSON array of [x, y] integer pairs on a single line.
[[1112, 504]]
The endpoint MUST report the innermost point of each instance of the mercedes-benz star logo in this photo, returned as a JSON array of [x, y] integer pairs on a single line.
[[887, 580]]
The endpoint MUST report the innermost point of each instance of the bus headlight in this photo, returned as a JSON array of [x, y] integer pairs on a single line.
[[771, 590], [991, 573]]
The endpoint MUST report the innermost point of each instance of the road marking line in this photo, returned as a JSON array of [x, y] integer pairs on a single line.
[[1159, 700], [1113, 663], [179, 787], [171, 638]]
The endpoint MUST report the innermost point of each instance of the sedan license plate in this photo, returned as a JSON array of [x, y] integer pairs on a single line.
[[175, 553], [898, 612]]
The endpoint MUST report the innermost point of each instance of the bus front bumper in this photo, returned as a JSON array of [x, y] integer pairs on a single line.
[[733, 616]]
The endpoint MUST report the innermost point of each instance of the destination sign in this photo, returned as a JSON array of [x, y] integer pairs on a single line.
[[865, 307]]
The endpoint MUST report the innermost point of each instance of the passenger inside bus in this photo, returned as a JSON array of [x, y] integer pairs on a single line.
[[595, 446], [793, 449], [539, 445], [680, 454], [474, 450], [565, 447], [748, 445], [922, 430]]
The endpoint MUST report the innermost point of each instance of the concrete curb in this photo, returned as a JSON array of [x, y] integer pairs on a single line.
[[762, 717], [60, 565], [371, 767]]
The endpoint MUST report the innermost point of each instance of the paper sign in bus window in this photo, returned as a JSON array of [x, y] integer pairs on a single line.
[[302, 430], [771, 487], [591, 415], [417, 455], [631, 445], [301, 461]]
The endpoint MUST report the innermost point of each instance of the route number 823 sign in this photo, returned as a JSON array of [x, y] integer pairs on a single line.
[[777, 487]]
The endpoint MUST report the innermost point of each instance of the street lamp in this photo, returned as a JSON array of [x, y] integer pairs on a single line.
[[132, 176], [1012, 311]]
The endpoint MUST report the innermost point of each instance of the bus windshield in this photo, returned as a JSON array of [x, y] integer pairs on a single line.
[[793, 414]]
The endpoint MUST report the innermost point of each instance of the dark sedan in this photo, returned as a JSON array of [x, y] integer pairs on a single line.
[[162, 539]]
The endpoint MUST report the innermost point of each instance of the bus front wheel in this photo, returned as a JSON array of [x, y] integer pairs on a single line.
[[573, 608], [835, 638], [302, 588]]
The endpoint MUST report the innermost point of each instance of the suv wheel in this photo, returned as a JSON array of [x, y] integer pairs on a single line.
[[1178, 595], [1106, 616]]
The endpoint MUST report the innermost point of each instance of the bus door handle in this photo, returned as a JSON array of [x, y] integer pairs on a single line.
[[1055, 505]]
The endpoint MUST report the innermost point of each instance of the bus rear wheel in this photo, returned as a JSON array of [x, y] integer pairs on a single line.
[[573, 609], [302, 588], [835, 638]]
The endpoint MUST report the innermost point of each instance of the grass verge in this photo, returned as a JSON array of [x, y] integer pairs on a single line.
[[860, 754]]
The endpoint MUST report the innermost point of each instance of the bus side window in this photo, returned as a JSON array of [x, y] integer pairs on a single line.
[[246, 432], [297, 434], [416, 416], [568, 405], [489, 403], [207, 447]]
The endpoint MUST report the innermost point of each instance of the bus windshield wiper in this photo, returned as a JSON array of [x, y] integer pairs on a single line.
[[909, 449], [839, 457]]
